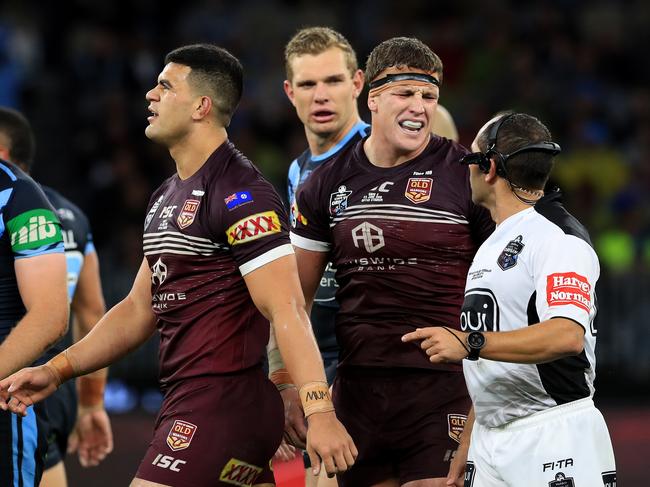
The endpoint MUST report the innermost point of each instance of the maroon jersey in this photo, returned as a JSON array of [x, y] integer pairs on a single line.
[[201, 235], [401, 240]]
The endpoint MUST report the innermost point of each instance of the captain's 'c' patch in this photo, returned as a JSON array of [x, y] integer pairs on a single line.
[[253, 227], [564, 288]]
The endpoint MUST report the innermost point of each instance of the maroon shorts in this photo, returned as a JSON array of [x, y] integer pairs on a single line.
[[405, 423], [215, 431]]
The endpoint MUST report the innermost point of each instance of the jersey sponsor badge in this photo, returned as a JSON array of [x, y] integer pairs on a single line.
[[561, 480], [339, 200], [480, 311], [237, 472], [296, 216], [509, 256], [180, 435], [188, 212], [564, 288], [253, 227], [34, 229], [455, 425], [609, 479], [418, 190], [238, 199]]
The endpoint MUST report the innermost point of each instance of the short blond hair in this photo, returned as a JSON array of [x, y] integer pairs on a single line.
[[316, 40]]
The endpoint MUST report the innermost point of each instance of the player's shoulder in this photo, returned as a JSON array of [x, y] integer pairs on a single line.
[[447, 152], [65, 209], [343, 162], [11, 176], [560, 222]]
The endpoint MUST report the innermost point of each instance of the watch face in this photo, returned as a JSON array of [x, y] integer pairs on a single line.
[[476, 339]]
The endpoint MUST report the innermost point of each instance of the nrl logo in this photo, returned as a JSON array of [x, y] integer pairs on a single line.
[[339, 200], [510, 254], [561, 480]]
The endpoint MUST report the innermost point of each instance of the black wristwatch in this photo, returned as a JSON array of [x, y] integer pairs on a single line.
[[475, 342]]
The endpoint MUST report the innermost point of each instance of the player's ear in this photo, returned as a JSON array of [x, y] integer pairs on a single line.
[[288, 90], [357, 81], [372, 103], [202, 107]]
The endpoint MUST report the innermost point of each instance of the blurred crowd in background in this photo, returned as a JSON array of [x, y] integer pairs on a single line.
[[79, 70]]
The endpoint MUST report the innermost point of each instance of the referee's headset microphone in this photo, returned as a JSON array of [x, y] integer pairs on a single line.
[[482, 159]]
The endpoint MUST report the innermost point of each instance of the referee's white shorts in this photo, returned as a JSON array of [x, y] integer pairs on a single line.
[[565, 446]]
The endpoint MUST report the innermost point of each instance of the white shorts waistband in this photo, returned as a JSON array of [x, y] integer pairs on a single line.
[[548, 414]]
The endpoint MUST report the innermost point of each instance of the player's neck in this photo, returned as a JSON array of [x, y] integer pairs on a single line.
[[504, 205], [191, 152], [321, 144], [382, 153]]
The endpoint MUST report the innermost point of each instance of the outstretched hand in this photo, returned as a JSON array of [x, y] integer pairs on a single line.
[[441, 344], [26, 387]]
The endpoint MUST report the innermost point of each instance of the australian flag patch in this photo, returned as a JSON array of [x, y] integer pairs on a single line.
[[237, 199]]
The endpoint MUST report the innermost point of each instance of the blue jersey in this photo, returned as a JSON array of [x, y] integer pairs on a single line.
[[78, 242], [29, 227], [325, 305]]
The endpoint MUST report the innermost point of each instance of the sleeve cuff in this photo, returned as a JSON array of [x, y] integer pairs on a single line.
[[265, 258], [308, 244]]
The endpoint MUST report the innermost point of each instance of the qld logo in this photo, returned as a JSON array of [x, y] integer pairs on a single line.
[[180, 435], [188, 213], [418, 190]]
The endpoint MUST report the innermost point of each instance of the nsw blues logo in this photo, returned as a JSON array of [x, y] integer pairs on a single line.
[[510, 254]]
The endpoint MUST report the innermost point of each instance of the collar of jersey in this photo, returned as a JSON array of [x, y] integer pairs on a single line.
[[360, 126], [512, 220]]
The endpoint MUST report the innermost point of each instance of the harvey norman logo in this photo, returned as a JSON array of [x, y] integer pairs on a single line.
[[34, 229], [253, 227], [568, 288]]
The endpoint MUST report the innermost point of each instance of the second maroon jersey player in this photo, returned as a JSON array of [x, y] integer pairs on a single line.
[[201, 236], [401, 239]]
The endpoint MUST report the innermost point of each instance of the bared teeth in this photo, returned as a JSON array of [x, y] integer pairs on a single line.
[[412, 125]]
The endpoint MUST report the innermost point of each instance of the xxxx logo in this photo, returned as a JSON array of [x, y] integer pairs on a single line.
[[239, 473], [253, 227]]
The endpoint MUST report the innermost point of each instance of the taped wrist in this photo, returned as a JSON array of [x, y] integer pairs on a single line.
[[281, 379], [61, 367], [315, 398], [91, 391]]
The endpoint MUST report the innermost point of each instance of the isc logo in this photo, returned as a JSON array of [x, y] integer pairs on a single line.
[[170, 463]]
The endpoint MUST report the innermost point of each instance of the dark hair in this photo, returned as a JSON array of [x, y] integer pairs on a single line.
[[402, 52], [314, 41], [17, 129], [215, 73], [529, 169]]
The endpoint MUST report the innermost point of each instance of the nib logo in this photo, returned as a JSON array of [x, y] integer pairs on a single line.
[[34, 229], [158, 272]]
